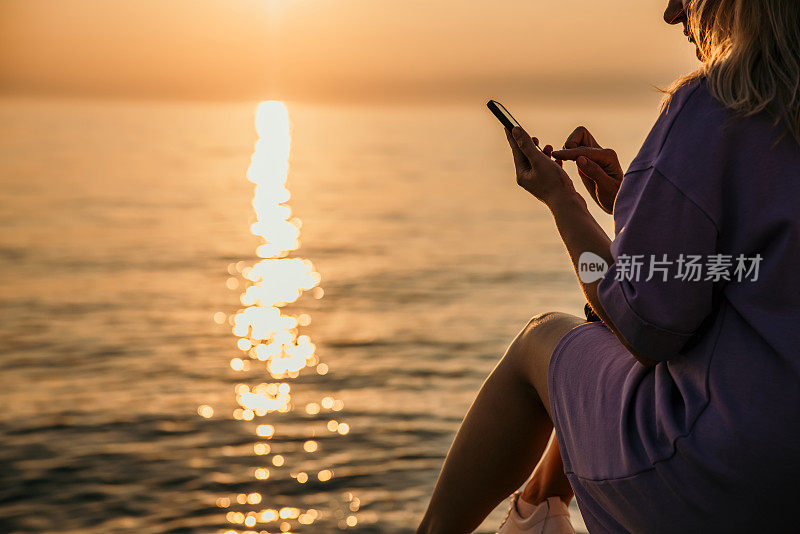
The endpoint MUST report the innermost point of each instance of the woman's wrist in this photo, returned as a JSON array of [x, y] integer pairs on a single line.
[[566, 200]]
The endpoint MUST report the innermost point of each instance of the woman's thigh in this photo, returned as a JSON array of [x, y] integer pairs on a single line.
[[534, 345]]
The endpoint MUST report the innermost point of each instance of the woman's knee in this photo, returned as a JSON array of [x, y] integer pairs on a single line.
[[534, 345], [544, 330], [547, 318]]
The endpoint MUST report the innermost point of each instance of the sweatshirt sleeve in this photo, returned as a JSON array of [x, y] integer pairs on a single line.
[[659, 290]]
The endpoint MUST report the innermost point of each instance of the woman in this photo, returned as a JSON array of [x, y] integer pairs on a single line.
[[680, 410]]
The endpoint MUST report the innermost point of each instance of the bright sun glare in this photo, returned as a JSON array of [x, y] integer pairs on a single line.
[[266, 336]]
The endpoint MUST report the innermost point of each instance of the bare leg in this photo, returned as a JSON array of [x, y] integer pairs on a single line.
[[503, 434], [548, 479]]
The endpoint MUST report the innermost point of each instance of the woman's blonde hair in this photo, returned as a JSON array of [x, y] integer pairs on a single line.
[[751, 55]]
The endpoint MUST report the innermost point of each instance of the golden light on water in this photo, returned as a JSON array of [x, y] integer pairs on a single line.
[[270, 340]]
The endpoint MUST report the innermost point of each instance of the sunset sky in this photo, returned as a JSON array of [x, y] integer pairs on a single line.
[[336, 49]]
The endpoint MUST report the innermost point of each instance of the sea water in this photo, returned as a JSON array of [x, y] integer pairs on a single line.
[[126, 254]]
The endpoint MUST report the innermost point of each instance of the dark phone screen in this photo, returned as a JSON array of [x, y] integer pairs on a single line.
[[502, 114]]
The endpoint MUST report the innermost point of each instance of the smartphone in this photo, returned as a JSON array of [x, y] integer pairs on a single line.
[[503, 115]]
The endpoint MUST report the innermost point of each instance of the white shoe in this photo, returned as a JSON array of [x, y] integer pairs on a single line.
[[550, 517]]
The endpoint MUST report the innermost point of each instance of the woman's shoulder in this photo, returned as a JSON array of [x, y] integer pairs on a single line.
[[690, 114], [697, 131], [711, 153], [687, 146]]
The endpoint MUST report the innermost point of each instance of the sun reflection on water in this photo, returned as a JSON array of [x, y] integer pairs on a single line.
[[270, 338]]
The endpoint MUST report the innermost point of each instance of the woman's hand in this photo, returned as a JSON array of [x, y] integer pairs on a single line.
[[598, 167], [537, 173]]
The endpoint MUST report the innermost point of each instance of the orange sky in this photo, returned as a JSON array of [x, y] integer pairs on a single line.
[[335, 49]]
